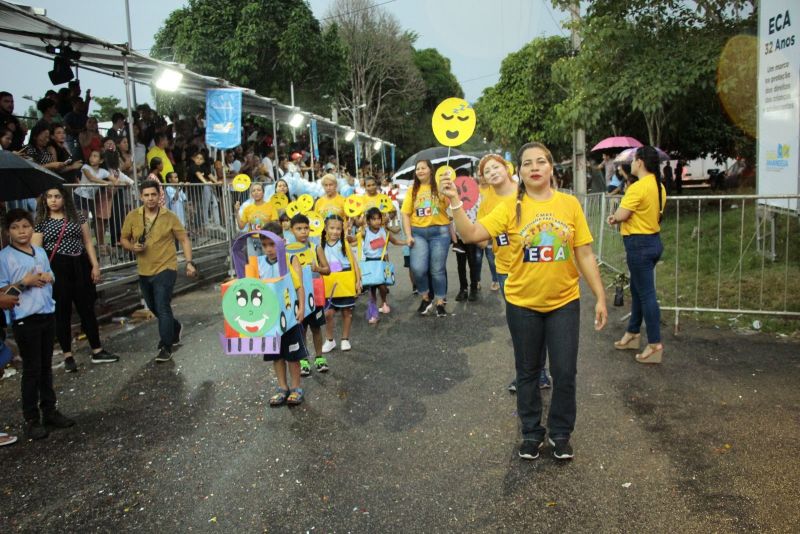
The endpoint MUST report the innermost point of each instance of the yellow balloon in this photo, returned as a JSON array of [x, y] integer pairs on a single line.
[[453, 122], [292, 209], [279, 200], [385, 203], [241, 183], [315, 223], [441, 170], [305, 202], [354, 205]]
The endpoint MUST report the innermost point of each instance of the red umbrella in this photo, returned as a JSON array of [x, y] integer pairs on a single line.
[[617, 142]]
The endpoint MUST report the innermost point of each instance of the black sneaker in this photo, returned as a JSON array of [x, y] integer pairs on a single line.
[[70, 366], [178, 335], [163, 355], [34, 429], [104, 357], [440, 311], [512, 387], [462, 295], [473, 295], [56, 419], [424, 307], [529, 450], [562, 450]]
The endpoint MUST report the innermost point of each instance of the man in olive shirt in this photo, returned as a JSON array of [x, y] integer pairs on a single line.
[[150, 232]]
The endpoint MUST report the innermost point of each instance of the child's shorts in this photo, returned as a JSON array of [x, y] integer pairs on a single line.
[[293, 347], [315, 319], [343, 303]]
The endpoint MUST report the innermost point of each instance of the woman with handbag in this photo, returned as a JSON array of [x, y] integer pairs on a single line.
[[65, 236], [639, 213]]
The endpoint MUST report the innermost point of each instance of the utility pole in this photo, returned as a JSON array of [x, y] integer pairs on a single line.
[[578, 133], [130, 48]]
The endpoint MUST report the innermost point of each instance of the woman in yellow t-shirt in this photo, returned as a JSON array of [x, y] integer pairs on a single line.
[[640, 215], [550, 244], [427, 225], [253, 215], [332, 203]]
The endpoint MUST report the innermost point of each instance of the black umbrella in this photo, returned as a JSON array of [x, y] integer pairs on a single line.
[[21, 178], [437, 155]]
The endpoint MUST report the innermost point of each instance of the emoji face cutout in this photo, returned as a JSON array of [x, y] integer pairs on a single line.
[[385, 203], [354, 205], [292, 209], [304, 253], [250, 307], [453, 122], [315, 223], [241, 183], [443, 169], [468, 191], [305, 203], [279, 200]]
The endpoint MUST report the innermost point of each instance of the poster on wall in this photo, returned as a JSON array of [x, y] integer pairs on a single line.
[[779, 100], [224, 118]]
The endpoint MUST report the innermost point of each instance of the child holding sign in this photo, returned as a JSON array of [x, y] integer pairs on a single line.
[[375, 239], [342, 285]]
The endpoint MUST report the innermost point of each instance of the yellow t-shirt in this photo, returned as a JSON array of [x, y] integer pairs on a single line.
[[255, 216], [330, 206], [500, 245], [641, 198], [543, 275], [371, 202], [156, 152], [424, 212], [160, 235]]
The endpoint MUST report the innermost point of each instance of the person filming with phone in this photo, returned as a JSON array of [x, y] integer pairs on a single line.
[[150, 232]]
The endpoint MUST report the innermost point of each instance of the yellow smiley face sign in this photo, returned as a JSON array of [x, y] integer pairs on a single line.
[[443, 169], [292, 209], [241, 183], [385, 203], [354, 205], [315, 223], [453, 122], [305, 203], [279, 200]]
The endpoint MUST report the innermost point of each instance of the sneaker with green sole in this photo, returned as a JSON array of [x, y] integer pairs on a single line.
[[305, 368], [321, 364]]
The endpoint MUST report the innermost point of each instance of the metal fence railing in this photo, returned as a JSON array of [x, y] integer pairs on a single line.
[[726, 254], [206, 212]]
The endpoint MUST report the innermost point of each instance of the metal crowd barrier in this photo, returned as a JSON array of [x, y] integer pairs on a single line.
[[723, 254]]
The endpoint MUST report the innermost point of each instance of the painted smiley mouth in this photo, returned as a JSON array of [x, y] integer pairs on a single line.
[[450, 134], [253, 326]]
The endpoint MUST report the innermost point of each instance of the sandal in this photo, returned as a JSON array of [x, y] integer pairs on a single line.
[[295, 397], [629, 341], [5, 439], [279, 398], [651, 354]]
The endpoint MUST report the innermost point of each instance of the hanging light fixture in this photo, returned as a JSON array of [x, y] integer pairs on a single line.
[[296, 120], [169, 80], [350, 135]]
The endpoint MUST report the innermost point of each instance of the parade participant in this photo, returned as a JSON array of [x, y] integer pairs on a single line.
[[332, 203], [336, 249], [498, 174], [25, 272], [640, 214], [374, 237], [293, 347], [550, 245], [319, 265], [150, 232], [65, 236], [427, 226], [253, 215], [487, 251]]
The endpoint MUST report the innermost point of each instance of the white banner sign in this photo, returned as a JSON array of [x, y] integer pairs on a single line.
[[779, 99]]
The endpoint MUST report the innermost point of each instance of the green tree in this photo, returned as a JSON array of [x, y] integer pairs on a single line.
[[260, 44], [521, 106], [106, 107]]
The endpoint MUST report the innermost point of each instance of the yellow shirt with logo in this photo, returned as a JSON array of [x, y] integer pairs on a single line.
[[256, 216], [330, 206], [641, 198], [500, 244], [543, 275], [423, 211]]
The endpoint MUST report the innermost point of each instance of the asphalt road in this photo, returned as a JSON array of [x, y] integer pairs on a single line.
[[412, 431]]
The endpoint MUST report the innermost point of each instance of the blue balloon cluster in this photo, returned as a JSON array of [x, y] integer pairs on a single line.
[[298, 186]]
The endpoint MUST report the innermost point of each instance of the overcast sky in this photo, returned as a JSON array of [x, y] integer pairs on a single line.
[[475, 34]]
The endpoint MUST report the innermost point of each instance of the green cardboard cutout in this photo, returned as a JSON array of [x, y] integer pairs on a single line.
[[250, 307]]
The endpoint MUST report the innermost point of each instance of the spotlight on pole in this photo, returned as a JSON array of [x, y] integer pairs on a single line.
[[350, 135], [169, 80], [376, 145], [296, 120]]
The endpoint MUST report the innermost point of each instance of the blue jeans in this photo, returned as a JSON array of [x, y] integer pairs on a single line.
[[530, 331], [157, 293], [642, 253], [429, 255], [489, 253], [501, 278]]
